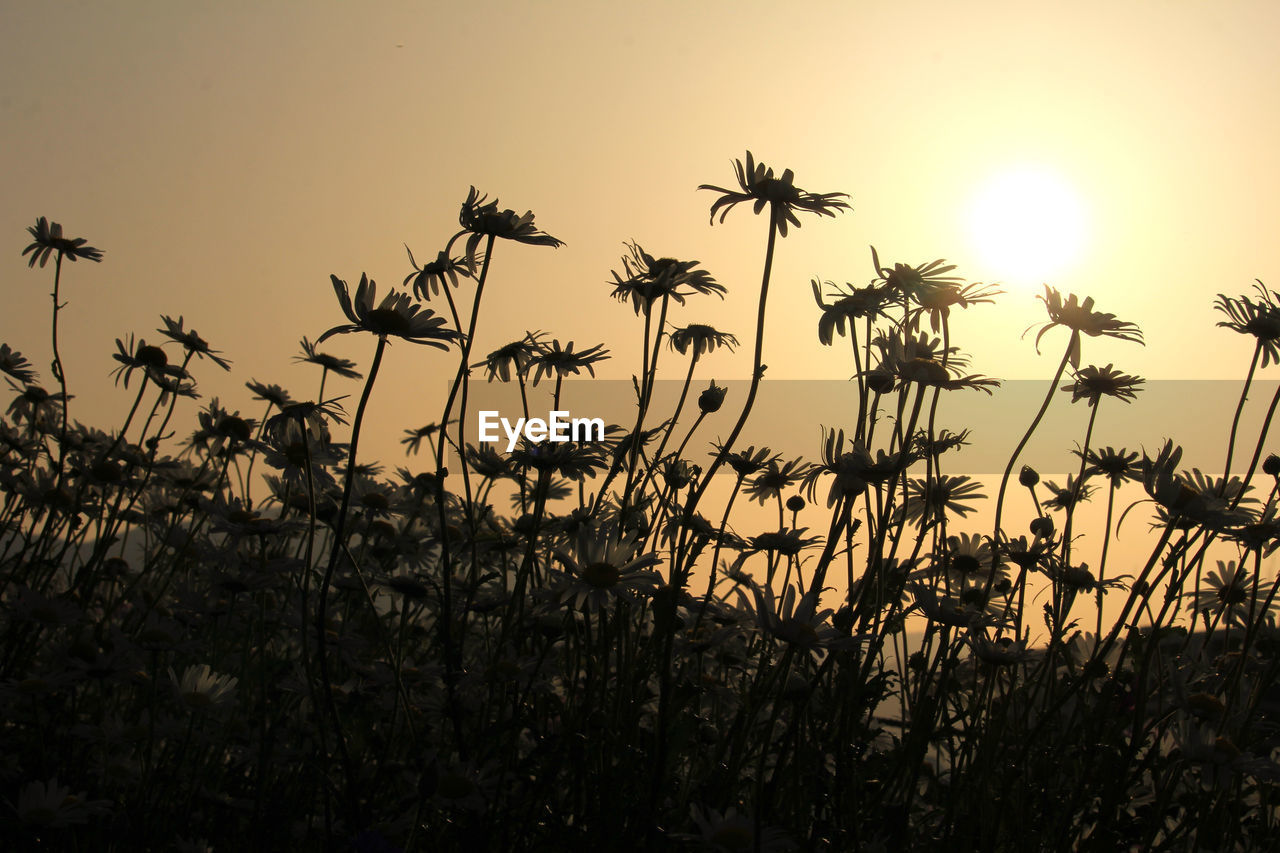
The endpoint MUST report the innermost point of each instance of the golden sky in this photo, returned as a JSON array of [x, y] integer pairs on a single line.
[[228, 157]]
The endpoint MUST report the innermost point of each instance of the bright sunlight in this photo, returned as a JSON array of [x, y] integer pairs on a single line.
[[1028, 225]]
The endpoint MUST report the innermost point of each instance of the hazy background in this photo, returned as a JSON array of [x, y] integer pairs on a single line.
[[228, 157]]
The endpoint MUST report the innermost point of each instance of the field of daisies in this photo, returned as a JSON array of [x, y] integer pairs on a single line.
[[253, 637]]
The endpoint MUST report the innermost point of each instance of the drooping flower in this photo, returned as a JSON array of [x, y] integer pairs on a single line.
[[701, 338], [480, 219], [16, 365], [191, 342], [1080, 318], [46, 239], [1258, 318], [396, 315], [759, 186], [442, 272], [854, 303]]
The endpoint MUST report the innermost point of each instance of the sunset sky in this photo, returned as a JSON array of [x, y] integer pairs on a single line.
[[229, 157]]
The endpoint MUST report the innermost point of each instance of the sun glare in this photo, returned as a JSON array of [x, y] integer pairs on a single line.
[[1028, 226]]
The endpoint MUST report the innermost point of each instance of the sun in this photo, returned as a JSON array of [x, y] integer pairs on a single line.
[[1028, 225]]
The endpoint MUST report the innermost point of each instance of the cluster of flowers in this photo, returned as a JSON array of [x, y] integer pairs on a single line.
[[320, 654]]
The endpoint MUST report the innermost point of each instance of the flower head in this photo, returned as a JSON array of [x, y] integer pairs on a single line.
[[562, 361], [442, 272], [701, 338], [1080, 317], [397, 315], [481, 218], [1259, 318], [759, 186], [852, 303], [647, 278], [516, 355], [16, 365], [1093, 383], [343, 367], [604, 566], [191, 342], [46, 238], [201, 687]]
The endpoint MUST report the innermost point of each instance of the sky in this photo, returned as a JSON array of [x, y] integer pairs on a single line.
[[230, 157]]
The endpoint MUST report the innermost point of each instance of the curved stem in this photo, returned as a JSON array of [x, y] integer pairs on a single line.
[[339, 541]]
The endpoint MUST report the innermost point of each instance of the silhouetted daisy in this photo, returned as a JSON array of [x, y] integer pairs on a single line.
[[46, 239], [397, 315], [759, 186]]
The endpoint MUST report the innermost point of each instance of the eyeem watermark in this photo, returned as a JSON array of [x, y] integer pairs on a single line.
[[559, 426]]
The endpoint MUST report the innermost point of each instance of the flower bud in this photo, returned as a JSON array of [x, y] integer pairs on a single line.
[[1028, 476], [711, 399], [795, 503], [1042, 527], [1271, 465]]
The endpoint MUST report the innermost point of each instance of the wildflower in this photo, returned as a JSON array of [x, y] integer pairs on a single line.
[[604, 566], [925, 361], [16, 365], [191, 342], [1081, 318], [46, 238], [747, 462], [711, 399], [1261, 319], [701, 338], [480, 219], [1002, 651], [50, 805], [758, 185], [1190, 498], [856, 304], [574, 460], [442, 272], [34, 405], [1066, 497], [968, 612], [414, 437], [787, 543], [395, 315], [936, 297], [516, 355], [1093, 383], [1116, 465], [273, 394], [333, 364], [1026, 555], [852, 470], [151, 360], [794, 620], [1226, 591], [646, 279], [929, 500], [563, 361], [770, 481], [488, 462], [201, 687]]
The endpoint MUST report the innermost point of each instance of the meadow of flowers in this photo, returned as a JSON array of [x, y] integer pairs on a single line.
[[251, 637]]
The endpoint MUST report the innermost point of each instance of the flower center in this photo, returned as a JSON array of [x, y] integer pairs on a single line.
[[386, 321], [602, 575]]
